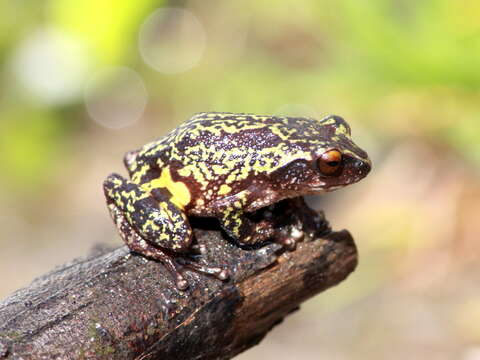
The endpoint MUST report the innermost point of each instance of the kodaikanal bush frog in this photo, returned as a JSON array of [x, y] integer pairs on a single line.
[[226, 166]]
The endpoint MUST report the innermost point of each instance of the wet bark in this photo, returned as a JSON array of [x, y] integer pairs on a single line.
[[118, 305]]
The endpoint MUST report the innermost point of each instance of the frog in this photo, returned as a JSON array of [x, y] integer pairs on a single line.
[[227, 166]]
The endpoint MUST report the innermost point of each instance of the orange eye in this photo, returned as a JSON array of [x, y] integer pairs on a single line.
[[329, 162]]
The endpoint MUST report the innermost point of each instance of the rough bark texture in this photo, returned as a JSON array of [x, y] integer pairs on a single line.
[[116, 305]]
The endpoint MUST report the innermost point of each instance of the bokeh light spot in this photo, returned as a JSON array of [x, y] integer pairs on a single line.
[[116, 97], [51, 65], [172, 40]]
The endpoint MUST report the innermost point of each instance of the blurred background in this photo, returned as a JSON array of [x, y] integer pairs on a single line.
[[83, 82]]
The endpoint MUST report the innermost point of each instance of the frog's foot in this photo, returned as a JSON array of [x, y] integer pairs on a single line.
[[217, 272], [199, 249], [263, 231], [313, 223], [145, 249], [137, 244], [295, 221], [289, 238], [286, 235]]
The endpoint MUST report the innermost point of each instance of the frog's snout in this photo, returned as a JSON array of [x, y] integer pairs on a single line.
[[362, 167]]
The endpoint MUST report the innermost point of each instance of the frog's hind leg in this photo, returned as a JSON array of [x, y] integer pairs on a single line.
[[137, 244], [163, 198], [146, 227], [151, 224]]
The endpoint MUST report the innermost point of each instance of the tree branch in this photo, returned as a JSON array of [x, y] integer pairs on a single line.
[[116, 305]]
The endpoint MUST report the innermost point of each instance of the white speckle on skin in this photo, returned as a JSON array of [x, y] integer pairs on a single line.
[[296, 233]]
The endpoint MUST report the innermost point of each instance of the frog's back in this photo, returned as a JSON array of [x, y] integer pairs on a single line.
[[231, 147], [208, 133], [233, 141]]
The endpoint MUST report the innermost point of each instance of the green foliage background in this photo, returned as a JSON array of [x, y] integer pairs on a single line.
[[404, 73]]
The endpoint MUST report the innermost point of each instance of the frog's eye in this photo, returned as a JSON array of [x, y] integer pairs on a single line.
[[330, 162]]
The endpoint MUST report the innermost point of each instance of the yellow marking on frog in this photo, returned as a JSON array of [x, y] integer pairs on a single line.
[[151, 224], [259, 168], [164, 236], [224, 189], [198, 176], [342, 129], [220, 170], [180, 194], [352, 154], [140, 173], [205, 170], [328, 121], [232, 177], [185, 171], [284, 134]]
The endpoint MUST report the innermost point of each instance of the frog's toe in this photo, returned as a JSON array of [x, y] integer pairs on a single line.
[[181, 283], [224, 274], [199, 249], [216, 271], [289, 237]]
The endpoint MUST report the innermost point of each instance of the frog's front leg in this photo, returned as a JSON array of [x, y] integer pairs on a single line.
[[149, 223], [285, 222], [312, 223], [294, 220], [237, 223]]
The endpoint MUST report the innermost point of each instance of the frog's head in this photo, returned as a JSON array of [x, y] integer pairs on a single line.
[[333, 161]]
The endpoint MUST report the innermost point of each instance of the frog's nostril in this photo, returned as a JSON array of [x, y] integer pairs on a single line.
[[363, 166]]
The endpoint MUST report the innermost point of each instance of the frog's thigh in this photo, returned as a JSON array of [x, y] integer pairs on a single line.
[[139, 245], [160, 223]]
